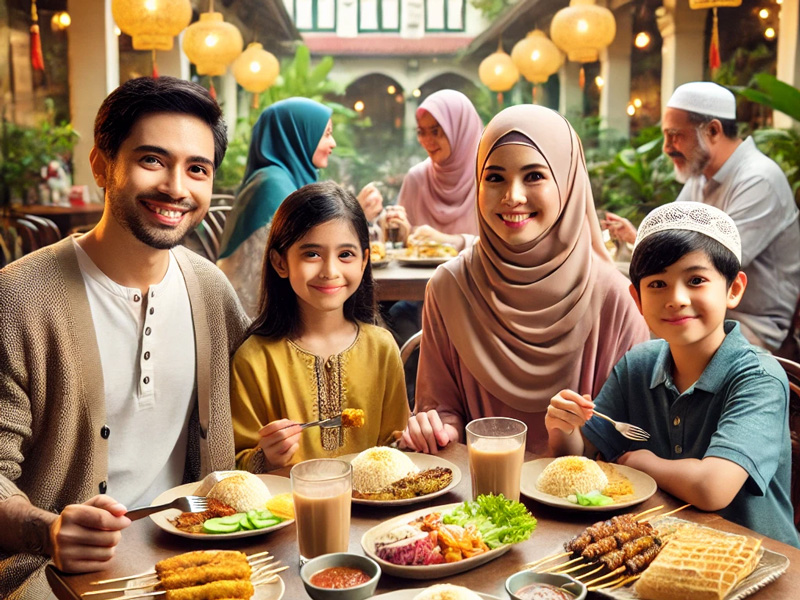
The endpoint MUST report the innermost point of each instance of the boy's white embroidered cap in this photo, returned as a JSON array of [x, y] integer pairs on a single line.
[[705, 98], [692, 216]]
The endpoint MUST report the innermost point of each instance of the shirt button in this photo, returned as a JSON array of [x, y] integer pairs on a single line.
[[676, 421], [136, 298], [152, 310], [147, 355], [147, 331], [152, 294], [105, 432], [146, 380], [678, 449], [102, 487]]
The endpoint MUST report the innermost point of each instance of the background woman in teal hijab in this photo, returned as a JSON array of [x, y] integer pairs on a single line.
[[291, 140]]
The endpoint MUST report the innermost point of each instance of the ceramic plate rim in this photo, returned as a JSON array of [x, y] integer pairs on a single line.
[[275, 483], [414, 456], [409, 593], [549, 500], [380, 264], [424, 571], [427, 261]]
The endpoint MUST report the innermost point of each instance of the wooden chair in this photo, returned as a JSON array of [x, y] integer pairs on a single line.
[[20, 237], [215, 219], [204, 241], [791, 345], [409, 354], [793, 374], [49, 233]]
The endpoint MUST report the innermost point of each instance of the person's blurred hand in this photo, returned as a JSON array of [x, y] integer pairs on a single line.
[[371, 201], [395, 218], [426, 233], [619, 228]]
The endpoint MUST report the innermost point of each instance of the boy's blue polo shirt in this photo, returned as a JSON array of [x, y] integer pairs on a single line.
[[738, 410]]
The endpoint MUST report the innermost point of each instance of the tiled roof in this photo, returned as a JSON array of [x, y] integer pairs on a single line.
[[385, 45]]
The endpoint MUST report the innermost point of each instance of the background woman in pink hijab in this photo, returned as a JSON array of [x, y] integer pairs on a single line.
[[536, 305], [438, 193]]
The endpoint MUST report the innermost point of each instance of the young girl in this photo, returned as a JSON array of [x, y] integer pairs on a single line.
[[314, 350]]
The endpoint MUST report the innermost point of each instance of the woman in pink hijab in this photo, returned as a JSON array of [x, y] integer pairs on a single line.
[[536, 306], [438, 193]]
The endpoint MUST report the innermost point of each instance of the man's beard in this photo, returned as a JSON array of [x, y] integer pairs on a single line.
[[160, 238], [695, 163]]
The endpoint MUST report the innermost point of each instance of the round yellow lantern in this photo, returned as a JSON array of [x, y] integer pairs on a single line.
[[583, 29], [211, 44], [537, 57], [498, 72], [152, 23], [256, 69]]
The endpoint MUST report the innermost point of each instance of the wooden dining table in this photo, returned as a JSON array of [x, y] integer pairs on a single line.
[[143, 544], [395, 281], [65, 217]]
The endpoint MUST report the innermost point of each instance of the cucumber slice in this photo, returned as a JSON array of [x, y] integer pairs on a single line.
[[246, 523], [217, 525], [269, 522]]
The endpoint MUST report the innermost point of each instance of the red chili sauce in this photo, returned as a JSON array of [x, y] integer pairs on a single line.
[[543, 591], [339, 577]]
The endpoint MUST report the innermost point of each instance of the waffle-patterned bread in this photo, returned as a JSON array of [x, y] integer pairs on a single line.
[[699, 563]]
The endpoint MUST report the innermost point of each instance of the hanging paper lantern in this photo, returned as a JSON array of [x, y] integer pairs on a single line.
[[698, 4], [37, 58], [537, 57], [152, 23], [498, 72], [256, 69], [212, 44], [583, 29], [714, 60]]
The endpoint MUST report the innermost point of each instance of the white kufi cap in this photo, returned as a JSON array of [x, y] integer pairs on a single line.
[[705, 98], [692, 216]]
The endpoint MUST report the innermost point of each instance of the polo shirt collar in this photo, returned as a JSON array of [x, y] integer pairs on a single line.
[[725, 172], [716, 371]]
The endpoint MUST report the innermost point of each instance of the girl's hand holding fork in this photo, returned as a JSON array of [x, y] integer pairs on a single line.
[[279, 440]]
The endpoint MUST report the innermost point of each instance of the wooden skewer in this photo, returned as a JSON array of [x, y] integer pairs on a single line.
[[606, 576], [559, 566], [270, 575], [627, 580], [546, 559], [123, 589], [672, 512], [600, 568], [607, 584], [261, 562], [147, 595], [649, 510], [578, 568]]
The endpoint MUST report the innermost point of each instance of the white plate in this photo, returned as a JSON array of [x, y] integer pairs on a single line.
[[409, 595], [423, 461], [432, 261], [380, 264], [423, 571], [644, 486], [266, 591], [275, 484]]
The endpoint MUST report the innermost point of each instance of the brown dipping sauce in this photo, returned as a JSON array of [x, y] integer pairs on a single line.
[[543, 591], [339, 578]]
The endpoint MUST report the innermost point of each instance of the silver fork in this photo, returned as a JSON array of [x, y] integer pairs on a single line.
[[632, 432], [331, 422], [184, 504]]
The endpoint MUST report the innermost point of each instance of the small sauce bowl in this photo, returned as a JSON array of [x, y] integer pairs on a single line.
[[574, 588], [341, 559]]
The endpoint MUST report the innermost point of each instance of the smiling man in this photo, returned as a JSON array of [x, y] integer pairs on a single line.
[[721, 170], [115, 345]]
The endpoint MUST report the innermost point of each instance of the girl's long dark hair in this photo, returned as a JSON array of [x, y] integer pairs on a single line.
[[311, 205]]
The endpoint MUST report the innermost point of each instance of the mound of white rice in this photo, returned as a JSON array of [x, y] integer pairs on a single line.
[[241, 491], [571, 475], [447, 591], [375, 468]]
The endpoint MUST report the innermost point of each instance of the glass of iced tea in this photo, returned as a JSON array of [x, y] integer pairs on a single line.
[[496, 448], [321, 489]]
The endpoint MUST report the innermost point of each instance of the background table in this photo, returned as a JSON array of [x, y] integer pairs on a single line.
[[66, 217], [396, 282], [143, 544]]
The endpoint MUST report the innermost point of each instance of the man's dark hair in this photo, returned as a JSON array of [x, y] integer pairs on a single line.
[[729, 128], [660, 250], [145, 95]]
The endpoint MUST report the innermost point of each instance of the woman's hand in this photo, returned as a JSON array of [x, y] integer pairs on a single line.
[[395, 218], [84, 536], [279, 440], [371, 201], [619, 228], [568, 411], [425, 432]]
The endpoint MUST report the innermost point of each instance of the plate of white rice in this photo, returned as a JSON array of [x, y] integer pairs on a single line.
[[434, 593], [378, 467], [551, 483]]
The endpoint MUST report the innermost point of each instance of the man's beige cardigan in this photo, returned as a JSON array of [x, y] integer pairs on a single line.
[[52, 404]]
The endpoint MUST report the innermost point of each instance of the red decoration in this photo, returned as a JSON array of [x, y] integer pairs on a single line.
[[37, 59], [155, 66], [714, 61], [212, 91]]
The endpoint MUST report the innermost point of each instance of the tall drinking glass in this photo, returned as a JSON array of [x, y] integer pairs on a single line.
[[321, 489], [496, 448]]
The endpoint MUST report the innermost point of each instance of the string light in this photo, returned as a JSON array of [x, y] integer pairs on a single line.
[[416, 93], [391, 89], [763, 13], [769, 33], [631, 110], [642, 40], [359, 106], [637, 102], [599, 81]]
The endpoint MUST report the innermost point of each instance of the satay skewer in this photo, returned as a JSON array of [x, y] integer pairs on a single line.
[[600, 568], [546, 559], [559, 566], [645, 512], [672, 512], [594, 582]]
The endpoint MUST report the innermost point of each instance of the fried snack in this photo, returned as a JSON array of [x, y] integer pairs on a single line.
[[281, 506], [377, 251], [431, 249], [598, 531], [193, 522], [699, 563], [417, 484], [215, 590], [196, 559], [193, 576], [352, 417]]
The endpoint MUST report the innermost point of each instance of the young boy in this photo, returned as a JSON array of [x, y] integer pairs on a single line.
[[715, 406]]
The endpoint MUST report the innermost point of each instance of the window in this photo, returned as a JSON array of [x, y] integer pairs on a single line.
[[444, 15], [315, 15], [378, 15]]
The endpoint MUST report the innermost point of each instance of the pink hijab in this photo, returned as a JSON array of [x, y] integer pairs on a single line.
[[523, 318], [443, 196]]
